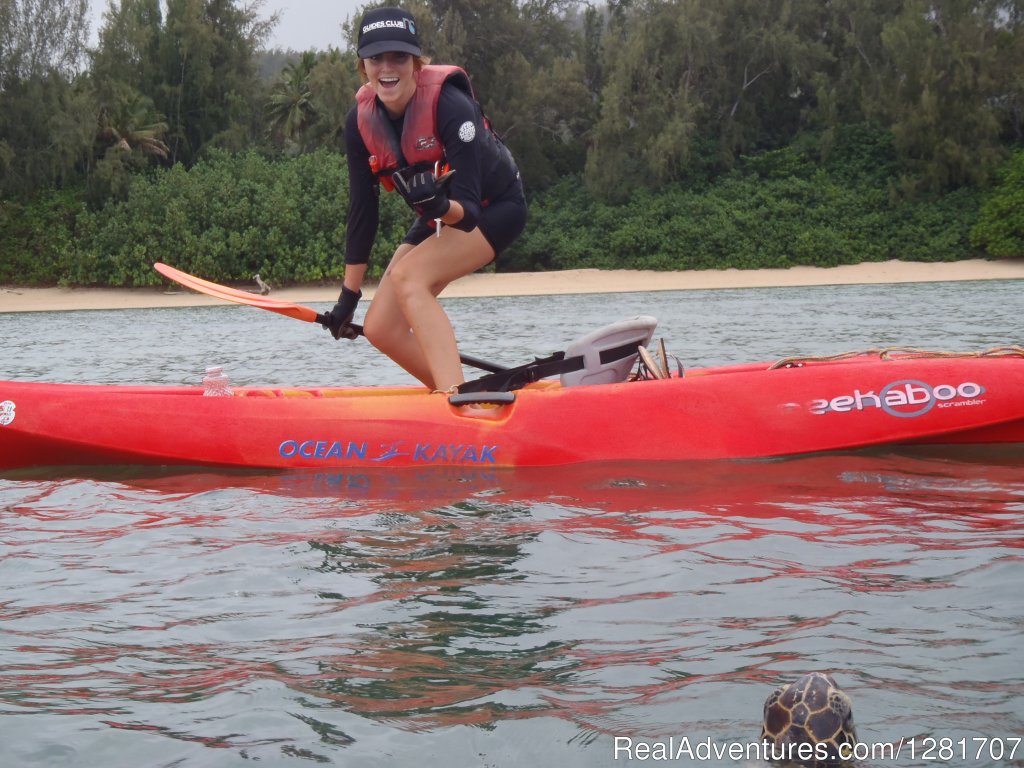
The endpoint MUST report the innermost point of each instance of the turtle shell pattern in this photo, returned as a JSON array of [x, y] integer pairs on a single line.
[[813, 710]]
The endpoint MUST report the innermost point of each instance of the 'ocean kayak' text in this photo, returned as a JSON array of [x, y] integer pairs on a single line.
[[422, 453]]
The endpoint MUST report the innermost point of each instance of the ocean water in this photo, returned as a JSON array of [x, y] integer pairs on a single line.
[[587, 616]]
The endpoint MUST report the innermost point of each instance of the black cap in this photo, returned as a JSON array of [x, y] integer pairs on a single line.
[[384, 30]]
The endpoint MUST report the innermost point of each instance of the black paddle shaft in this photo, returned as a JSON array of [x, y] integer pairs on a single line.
[[473, 362]]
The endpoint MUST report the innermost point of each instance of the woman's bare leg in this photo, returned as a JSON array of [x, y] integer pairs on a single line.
[[407, 300], [387, 329]]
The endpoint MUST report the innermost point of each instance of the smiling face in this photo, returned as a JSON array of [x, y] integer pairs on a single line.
[[392, 77]]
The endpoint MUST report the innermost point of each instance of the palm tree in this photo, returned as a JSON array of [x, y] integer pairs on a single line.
[[131, 125], [290, 108]]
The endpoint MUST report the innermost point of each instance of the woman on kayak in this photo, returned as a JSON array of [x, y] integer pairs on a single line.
[[417, 129]]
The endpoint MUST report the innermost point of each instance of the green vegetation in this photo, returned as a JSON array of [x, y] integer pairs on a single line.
[[1000, 230], [778, 209], [654, 134]]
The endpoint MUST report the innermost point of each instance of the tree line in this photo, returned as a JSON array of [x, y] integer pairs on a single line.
[[814, 131]]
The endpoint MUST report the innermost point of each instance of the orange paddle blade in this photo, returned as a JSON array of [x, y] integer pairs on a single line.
[[216, 290]]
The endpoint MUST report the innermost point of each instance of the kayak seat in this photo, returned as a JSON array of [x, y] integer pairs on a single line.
[[609, 353], [604, 356]]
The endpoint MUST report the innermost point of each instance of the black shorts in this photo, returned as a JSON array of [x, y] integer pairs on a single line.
[[501, 221]]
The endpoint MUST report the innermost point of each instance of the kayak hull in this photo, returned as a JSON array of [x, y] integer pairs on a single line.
[[731, 412]]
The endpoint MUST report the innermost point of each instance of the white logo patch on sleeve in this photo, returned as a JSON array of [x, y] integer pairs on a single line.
[[467, 131]]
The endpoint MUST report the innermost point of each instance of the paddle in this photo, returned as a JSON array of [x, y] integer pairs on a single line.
[[299, 312]]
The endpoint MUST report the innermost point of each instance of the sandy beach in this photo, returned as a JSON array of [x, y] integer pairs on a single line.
[[15, 299]]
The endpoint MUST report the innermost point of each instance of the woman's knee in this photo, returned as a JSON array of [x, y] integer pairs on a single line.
[[405, 279], [381, 334]]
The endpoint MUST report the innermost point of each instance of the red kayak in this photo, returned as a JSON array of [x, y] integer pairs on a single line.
[[799, 406]]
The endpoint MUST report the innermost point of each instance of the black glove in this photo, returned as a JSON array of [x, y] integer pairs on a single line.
[[338, 319], [427, 195]]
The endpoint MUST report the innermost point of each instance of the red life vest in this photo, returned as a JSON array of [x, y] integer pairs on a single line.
[[420, 143]]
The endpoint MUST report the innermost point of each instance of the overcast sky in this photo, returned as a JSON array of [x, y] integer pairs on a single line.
[[302, 24]]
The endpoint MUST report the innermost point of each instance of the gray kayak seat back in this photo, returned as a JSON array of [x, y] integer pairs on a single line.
[[609, 353]]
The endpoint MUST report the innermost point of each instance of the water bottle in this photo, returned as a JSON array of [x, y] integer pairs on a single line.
[[215, 383]]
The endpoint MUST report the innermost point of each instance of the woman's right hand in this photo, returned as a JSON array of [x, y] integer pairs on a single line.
[[339, 318]]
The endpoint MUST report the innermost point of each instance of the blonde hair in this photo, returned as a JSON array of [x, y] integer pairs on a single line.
[[418, 63]]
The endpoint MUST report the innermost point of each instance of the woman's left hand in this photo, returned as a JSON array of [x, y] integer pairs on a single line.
[[425, 193]]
